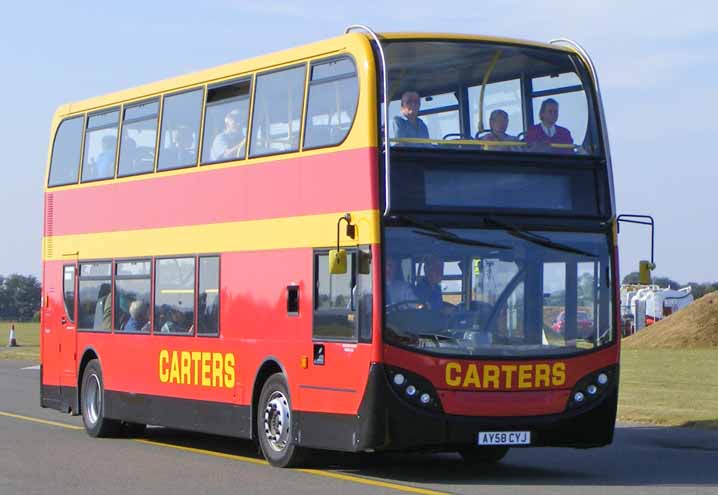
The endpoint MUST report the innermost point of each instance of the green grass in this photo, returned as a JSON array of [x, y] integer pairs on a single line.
[[28, 338], [677, 387]]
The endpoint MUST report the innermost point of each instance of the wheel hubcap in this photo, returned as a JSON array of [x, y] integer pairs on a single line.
[[276, 421], [93, 399]]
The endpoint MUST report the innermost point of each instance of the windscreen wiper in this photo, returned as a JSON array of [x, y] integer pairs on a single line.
[[537, 239], [437, 232]]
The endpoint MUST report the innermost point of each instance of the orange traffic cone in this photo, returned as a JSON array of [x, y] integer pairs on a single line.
[[12, 342]]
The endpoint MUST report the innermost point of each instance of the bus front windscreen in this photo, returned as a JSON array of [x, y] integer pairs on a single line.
[[502, 292], [490, 97]]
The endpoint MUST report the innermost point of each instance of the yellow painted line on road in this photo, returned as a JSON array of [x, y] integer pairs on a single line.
[[251, 460], [205, 452], [365, 481], [314, 472], [43, 421]]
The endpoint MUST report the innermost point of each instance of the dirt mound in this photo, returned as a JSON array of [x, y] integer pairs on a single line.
[[694, 327]]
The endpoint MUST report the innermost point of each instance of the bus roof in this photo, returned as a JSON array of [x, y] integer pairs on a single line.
[[352, 42]]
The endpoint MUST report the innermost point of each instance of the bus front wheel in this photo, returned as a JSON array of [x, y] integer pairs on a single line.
[[484, 455], [274, 424], [93, 403]]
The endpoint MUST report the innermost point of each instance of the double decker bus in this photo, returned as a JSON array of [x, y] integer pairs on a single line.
[[263, 250]]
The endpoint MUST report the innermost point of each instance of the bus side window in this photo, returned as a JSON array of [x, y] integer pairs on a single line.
[[334, 315], [95, 297], [179, 136], [139, 137], [332, 102], [100, 146], [174, 296], [225, 122], [208, 296], [65, 162], [276, 118]]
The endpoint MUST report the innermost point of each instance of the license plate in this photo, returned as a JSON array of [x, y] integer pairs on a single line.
[[505, 438]]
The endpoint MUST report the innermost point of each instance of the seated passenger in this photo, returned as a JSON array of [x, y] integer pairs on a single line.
[[396, 289], [428, 289], [104, 165], [541, 136], [408, 124], [228, 144], [138, 317], [183, 151], [498, 123]]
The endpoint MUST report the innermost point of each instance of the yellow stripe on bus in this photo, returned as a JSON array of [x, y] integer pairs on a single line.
[[251, 235]]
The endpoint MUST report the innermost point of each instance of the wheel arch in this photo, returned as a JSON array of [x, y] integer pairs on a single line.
[[269, 367], [88, 355]]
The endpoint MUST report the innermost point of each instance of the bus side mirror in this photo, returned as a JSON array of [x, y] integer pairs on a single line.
[[644, 272], [337, 261], [364, 267]]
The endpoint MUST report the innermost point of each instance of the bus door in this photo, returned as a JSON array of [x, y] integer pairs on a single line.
[[341, 335], [68, 328]]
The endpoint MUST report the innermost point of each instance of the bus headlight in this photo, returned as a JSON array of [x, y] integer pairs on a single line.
[[591, 387], [413, 388]]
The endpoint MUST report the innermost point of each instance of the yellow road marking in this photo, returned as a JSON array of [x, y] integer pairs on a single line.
[[222, 455], [314, 472], [365, 481], [43, 421]]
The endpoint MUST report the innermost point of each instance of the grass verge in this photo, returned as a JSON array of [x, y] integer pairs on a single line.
[[28, 339], [672, 387]]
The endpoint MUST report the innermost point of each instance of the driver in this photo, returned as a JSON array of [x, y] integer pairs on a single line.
[[396, 289], [428, 289]]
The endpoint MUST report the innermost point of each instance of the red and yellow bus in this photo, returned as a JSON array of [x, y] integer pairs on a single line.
[[361, 244]]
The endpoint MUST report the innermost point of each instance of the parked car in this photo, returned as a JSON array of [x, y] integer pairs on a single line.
[[584, 324]]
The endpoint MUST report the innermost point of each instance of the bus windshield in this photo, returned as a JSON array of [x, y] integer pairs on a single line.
[[489, 97], [496, 292]]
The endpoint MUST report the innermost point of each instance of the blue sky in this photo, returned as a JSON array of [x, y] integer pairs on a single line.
[[657, 67]]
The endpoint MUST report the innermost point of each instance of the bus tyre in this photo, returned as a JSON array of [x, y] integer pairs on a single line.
[[92, 403], [275, 430], [484, 455]]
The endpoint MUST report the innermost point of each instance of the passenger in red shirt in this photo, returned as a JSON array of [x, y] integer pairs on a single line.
[[541, 136]]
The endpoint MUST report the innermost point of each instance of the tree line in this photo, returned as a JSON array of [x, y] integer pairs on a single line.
[[19, 298], [697, 289]]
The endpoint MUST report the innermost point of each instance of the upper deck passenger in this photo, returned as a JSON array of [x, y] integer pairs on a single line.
[[541, 136], [228, 144], [499, 122], [408, 124]]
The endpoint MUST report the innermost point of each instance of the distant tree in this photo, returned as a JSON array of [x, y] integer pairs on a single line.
[[3, 296], [632, 278], [666, 282], [19, 297], [700, 290]]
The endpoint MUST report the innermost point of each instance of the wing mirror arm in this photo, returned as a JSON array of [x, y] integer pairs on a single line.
[[644, 267], [338, 256]]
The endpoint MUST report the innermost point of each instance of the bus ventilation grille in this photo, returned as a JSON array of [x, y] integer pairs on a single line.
[[49, 221]]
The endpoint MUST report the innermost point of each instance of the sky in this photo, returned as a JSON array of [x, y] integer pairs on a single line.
[[657, 64]]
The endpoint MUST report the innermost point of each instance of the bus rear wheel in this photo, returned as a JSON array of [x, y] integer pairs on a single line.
[[484, 455], [275, 429], [92, 403]]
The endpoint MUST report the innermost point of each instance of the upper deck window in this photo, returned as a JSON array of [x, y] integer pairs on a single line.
[[225, 122], [179, 137], [277, 114], [66, 152], [490, 97], [139, 136], [100, 146], [332, 102]]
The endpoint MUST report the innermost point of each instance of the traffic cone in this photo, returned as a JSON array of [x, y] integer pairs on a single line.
[[12, 342]]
